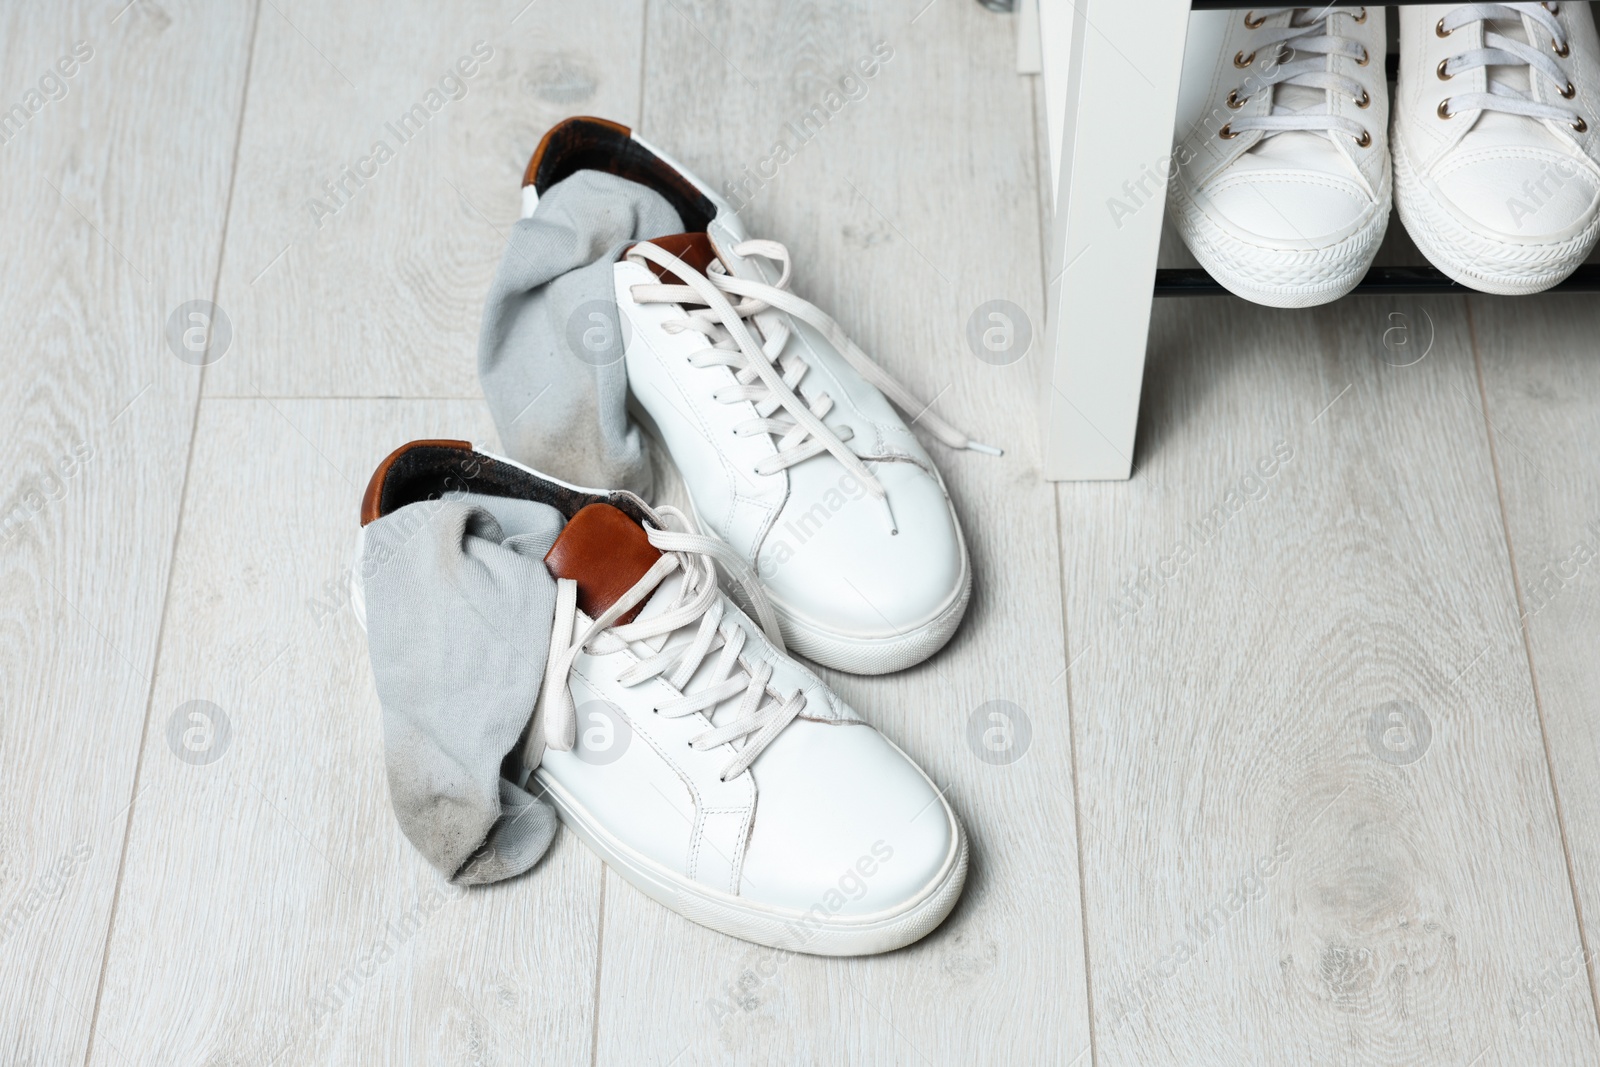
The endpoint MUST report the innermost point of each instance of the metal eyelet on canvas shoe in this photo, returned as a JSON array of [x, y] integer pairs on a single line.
[[1365, 100], [1226, 133], [1256, 25], [1444, 75], [1444, 109], [1234, 100], [1365, 140], [1243, 61], [1362, 17], [1561, 48], [1439, 30], [1568, 92], [1366, 57], [1580, 125]]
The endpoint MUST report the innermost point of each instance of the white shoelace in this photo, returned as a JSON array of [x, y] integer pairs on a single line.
[[1314, 38], [1502, 51], [756, 365], [758, 717]]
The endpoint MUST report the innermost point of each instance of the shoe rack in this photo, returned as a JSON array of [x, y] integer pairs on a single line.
[[1112, 76]]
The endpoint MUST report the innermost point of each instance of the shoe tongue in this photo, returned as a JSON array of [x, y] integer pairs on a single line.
[[1295, 150], [605, 552], [1512, 76], [1503, 129], [694, 249]]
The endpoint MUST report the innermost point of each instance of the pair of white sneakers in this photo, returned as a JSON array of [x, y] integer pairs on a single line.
[[674, 733], [1282, 190]]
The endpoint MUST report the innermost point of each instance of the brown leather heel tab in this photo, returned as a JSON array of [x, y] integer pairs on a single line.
[[372, 499], [693, 248], [605, 552], [566, 134], [585, 143]]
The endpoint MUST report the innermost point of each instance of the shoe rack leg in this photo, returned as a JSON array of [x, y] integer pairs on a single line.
[[1123, 65]]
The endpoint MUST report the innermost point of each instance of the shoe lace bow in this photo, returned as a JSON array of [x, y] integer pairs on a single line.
[[751, 338]]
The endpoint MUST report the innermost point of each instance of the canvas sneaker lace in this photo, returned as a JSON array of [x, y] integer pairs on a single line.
[[1303, 46], [761, 712], [767, 375], [1503, 51]]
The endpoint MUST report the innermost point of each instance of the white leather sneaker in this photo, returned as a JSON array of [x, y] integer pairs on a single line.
[[782, 428], [1496, 163], [714, 773], [1282, 189]]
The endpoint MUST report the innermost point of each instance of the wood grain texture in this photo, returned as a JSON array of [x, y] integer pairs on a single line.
[[914, 204], [271, 910], [1541, 381], [1318, 820], [112, 212], [1279, 863], [376, 288]]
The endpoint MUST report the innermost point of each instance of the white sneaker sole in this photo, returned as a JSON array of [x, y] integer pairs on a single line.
[[1280, 278], [1476, 261], [815, 932]]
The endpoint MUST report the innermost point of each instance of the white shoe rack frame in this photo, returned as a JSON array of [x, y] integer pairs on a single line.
[[1112, 71]]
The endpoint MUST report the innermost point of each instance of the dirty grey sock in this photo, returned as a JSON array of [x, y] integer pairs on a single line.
[[550, 349], [459, 607]]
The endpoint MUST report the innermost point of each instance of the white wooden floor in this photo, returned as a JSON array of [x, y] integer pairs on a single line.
[[1310, 769]]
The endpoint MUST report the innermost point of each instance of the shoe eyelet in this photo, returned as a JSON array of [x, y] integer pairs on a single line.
[[1444, 75], [1365, 140], [1256, 25], [1366, 57], [1561, 49], [1365, 101], [1444, 109], [1226, 133], [1234, 100], [1580, 125], [1243, 61], [1439, 30], [1568, 92], [1362, 17]]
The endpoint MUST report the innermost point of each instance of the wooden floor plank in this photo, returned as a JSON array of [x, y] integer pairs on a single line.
[[1541, 381], [112, 211], [916, 202], [271, 909], [373, 283], [1317, 818]]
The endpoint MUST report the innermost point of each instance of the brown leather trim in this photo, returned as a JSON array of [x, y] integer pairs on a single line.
[[605, 552], [583, 143], [694, 249], [560, 129], [371, 501]]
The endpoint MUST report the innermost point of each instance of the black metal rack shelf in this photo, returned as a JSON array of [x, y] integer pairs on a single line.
[[1411, 281]]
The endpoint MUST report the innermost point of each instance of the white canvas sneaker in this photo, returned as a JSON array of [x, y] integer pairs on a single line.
[[1496, 163], [1282, 189], [785, 432], [714, 773]]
